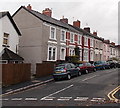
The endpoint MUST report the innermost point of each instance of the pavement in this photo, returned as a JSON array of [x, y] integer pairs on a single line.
[[26, 85]]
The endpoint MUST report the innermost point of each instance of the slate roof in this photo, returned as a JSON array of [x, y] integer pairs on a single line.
[[56, 22], [7, 54], [87, 33], [2, 14], [47, 19]]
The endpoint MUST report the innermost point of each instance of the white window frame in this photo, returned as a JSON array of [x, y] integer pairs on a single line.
[[54, 33], [52, 53], [85, 54], [91, 42], [62, 58], [71, 50], [72, 34], [91, 56], [85, 41], [64, 36], [79, 39], [6, 38]]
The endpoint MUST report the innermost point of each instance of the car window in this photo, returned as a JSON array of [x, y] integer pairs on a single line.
[[72, 66], [59, 67], [80, 65], [68, 66], [88, 64]]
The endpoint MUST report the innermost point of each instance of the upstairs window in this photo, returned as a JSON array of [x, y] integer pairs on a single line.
[[63, 36], [91, 42], [79, 39], [52, 33], [86, 41], [72, 38], [5, 39]]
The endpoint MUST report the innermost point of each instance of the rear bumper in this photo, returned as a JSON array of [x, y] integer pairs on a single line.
[[60, 76]]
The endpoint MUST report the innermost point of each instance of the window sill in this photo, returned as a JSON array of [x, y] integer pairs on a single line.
[[62, 40], [53, 39]]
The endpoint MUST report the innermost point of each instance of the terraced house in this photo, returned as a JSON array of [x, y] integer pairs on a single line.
[[47, 39]]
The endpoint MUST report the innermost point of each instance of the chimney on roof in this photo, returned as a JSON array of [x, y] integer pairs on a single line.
[[95, 33], [87, 29], [47, 12], [65, 20], [112, 43], [107, 41], [76, 23], [29, 7]]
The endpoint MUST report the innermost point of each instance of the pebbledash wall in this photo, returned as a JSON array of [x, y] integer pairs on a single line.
[[47, 39]]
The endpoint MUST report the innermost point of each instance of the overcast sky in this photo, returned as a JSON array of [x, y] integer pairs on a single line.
[[99, 15]]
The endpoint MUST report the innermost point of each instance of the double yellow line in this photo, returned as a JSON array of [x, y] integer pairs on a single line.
[[111, 95]]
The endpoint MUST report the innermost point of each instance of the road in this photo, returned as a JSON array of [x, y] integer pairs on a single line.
[[87, 90]]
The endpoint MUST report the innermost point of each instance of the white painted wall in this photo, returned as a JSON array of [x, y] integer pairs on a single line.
[[7, 27]]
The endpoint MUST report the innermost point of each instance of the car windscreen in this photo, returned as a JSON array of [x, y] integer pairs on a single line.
[[80, 65], [61, 67]]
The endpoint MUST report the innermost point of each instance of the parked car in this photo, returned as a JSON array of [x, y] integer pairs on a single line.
[[101, 65], [118, 64], [65, 70], [86, 67], [112, 64]]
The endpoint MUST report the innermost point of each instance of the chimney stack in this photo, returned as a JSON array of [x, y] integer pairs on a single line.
[[76, 23], [65, 20], [47, 12], [107, 41], [95, 33], [29, 7], [112, 43], [87, 29]]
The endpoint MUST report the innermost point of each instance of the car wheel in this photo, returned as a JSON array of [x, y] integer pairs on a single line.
[[55, 79], [95, 69], [79, 73], [86, 71], [68, 76]]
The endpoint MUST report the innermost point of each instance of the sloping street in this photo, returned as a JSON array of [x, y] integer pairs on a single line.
[[87, 90]]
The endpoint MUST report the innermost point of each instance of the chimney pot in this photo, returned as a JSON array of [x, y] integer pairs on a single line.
[[65, 20], [29, 7], [95, 33]]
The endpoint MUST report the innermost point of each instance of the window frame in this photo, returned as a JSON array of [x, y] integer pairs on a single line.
[[79, 39], [85, 41], [6, 38], [52, 47], [61, 53], [62, 35], [72, 34], [54, 38], [71, 50]]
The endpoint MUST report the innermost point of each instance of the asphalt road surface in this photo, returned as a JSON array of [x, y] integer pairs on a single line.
[[86, 90]]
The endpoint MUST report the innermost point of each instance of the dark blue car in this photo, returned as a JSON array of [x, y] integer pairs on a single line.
[[66, 70], [101, 65]]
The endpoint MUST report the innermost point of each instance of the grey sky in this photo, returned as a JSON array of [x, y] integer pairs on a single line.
[[100, 15]]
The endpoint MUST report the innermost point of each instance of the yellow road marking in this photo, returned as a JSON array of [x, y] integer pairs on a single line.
[[112, 93]]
